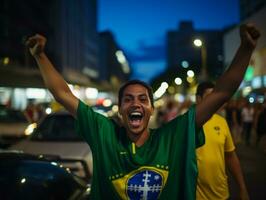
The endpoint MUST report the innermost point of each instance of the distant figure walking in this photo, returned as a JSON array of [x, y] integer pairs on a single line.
[[247, 119], [171, 111]]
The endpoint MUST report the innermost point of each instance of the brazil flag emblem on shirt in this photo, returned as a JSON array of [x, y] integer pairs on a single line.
[[143, 183]]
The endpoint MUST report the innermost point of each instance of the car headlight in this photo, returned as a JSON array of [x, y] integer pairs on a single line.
[[30, 128]]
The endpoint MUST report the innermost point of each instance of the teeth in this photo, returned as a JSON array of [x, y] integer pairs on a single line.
[[136, 114]]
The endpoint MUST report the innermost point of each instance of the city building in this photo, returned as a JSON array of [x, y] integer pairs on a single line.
[[181, 51], [254, 83], [115, 67], [192, 56], [71, 30]]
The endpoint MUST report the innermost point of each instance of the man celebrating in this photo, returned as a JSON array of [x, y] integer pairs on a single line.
[[133, 162]]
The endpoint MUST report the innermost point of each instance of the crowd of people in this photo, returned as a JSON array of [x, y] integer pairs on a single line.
[[247, 121]]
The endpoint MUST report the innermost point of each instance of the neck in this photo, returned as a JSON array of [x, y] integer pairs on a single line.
[[139, 139]]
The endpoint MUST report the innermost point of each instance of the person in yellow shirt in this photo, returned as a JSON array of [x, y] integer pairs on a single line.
[[217, 154]]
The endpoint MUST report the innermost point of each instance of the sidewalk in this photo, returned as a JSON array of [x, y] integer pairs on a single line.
[[262, 144], [253, 163]]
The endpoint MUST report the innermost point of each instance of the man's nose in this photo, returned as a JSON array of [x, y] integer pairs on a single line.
[[136, 103]]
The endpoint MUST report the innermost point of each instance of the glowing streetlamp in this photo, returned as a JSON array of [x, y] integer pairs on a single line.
[[197, 42], [200, 44]]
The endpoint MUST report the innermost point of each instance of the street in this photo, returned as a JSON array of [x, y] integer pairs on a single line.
[[253, 163]]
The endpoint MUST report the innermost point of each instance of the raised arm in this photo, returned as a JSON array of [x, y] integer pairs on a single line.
[[229, 82], [52, 79]]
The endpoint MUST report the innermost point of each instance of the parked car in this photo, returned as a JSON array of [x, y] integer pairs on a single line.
[[13, 126], [55, 136], [31, 177]]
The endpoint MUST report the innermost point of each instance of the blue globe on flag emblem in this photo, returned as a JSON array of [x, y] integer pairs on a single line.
[[145, 185]]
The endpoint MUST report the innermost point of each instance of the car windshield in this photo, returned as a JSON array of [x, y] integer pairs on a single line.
[[8, 115], [56, 128]]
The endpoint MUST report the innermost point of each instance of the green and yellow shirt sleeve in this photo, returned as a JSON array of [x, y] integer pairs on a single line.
[[89, 125], [199, 133]]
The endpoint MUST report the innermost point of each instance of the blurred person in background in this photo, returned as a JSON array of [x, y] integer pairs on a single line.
[[133, 161], [237, 121], [31, 112], [247, 115], [159, 118], [185, 106], [233, 118], [171, 110], [217, 154]]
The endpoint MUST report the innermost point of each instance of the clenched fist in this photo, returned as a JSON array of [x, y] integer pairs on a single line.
[[36, 44], [249, 35]]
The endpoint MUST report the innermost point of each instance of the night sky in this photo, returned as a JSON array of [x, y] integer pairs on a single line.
[[140, 26]]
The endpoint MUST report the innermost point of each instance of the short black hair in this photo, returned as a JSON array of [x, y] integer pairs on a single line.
[[133, 82], [203, 86]]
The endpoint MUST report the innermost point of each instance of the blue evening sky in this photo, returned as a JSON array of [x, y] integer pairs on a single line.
[[140, 26]]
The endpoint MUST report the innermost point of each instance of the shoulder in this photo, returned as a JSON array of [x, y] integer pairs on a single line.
[[217, 119], [181, 121], [87, 112]]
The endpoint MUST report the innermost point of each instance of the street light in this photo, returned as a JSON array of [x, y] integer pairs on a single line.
[[203, 74], [197, 42]]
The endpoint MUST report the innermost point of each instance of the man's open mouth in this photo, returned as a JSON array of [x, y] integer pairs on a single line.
[[135, 118]]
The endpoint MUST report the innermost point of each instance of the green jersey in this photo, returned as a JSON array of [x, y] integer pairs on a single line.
[[164, 167]]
